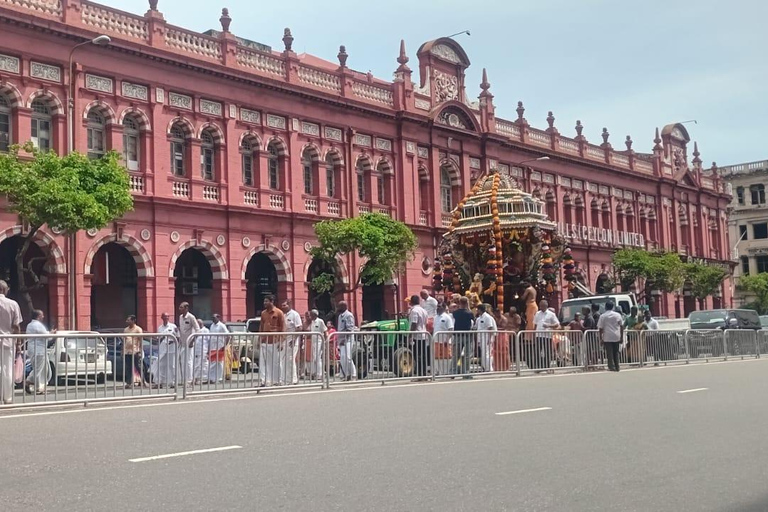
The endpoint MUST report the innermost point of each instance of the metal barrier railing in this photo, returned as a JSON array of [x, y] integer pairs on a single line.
[[244, 361], [87, 367]]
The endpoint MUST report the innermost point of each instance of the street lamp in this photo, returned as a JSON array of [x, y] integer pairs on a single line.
[[101, 40]]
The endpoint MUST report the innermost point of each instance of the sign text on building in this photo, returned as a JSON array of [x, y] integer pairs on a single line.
[[586, 234]]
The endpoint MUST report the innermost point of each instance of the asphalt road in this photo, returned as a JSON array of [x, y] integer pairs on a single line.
[[598, 441]]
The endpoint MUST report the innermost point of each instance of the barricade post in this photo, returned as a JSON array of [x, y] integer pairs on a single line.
[[551, 350]]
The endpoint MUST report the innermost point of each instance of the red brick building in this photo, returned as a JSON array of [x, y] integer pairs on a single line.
[[235, 150]]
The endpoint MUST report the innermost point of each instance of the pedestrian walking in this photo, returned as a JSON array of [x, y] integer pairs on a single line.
[[133, 351], [428, 303], [37, 353], [187, 327], [167, 357], [272, 320], [463, 321], [591, 336], [611, 328], [346, 321], [218, 345], [318, 329], [544, 320], [486, 332], [10, 321], [290, 349], [417, 318], [200, 366], [441, 334], [529, 299]]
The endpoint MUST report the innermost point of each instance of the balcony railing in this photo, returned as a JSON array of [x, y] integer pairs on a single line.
[[137, 183], [334, 208], [211, 193], [446, 219], [310, 205], [181, 189], [251, 197], [276, 202], [423, 219]]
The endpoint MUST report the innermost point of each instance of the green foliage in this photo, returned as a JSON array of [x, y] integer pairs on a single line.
[[323, 283], [756, 284], [71, 192], [662, 271], [386, 244], [705, 280]]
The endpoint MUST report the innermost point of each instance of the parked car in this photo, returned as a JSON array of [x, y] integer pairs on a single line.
[[764, 321], [569, 308], [706, 336], [150, 347], [74, 357]]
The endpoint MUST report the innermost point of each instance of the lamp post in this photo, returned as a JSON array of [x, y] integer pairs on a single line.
[[101, 40]]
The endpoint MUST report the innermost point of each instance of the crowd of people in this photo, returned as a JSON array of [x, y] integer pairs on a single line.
[[191, 353]]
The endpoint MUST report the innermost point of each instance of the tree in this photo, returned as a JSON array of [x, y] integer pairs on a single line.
[[71, 193], [386, 244], [757, 285], [704, 280], [662, 271]]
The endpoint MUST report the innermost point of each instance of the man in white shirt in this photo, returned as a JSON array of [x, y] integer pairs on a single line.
[[346, 326], [417, 317], [164, 369], [200, 367], [611, 328], [441, 334], [544, 320], [290, 348], [216, 347], [187, 327], [486, 329], [318, 329], [10, 320], [429, 304], [37, 353]]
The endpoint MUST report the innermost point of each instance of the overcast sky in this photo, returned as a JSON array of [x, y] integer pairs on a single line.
[[627, 65]]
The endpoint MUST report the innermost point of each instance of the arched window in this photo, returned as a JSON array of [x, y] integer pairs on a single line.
[[131, 144], [330, 176], [207, 156], [567, 209], [446, 192], [41, 125], [96, 135], [758, 193], [424, 192], [362, 192], [247, 148], [595, 207], [178, 150], [273, 166], [308, 172], [5, 123]]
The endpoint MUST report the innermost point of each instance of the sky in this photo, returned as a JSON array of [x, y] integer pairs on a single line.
[[627, 65]]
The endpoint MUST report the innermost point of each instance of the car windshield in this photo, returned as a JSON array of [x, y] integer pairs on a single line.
[[84, 343], [237, 328], [707, 317], [568, 310]]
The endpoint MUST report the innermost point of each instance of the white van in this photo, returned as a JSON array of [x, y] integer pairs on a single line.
[[623, 302]]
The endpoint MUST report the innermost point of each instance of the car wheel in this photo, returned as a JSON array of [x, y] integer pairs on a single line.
[[361, 362], [403, 362], [52, 372]]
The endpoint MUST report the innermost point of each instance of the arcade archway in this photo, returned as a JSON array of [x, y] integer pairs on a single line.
[[113, 286], [194, 283], [36, 261], [324, 302], [261, 280]]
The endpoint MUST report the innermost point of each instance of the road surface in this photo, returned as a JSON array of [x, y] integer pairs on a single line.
[[668, 439]]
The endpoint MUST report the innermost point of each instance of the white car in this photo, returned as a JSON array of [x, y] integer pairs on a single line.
[[74, 356]]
